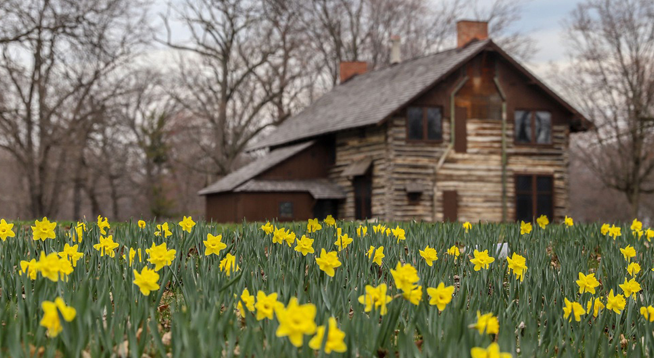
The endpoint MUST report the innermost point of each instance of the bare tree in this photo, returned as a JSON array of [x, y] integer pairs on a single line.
[[611, 77], [54, 54], [235, 71]]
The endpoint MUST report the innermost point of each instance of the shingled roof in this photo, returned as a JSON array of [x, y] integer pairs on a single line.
[[234, 179], [318, 188], [370, 98]]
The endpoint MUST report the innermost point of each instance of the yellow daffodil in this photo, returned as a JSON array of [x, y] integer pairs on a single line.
[[70, 253], [517, 264], [248, 299], [187, 224], [429, 254], [43, 230], [304, 245], [405, 276], [376, 255], [6, 230], [30, 268], [605, 229], [648, 313], [213, 245], [343, 241], [313, 226], [596, 305], [141, 224], [267, 228], [628, 252], [160, 256], [492, 351], [80, 229], [290, 239], [630, 287], [228, 265], [399, 233], [486, 323], [615, 303], [362, 231], [146, 280], [467, 226], [335, 338], [454, 251], [414, 295], [106, 246], [633, 269], [329, 220], [267, 305], [615, 231], [279, 235], [573, 308], [649, 234], [440, 296], [568, 221], [587, 283], [131, 255], [103, 225], [379, 228], [328, 261], [542, 221], [525, 228], [51, 311], [636, 226], [481, 260], [295, 321], [375, 297], [53, 267], [163, 229]]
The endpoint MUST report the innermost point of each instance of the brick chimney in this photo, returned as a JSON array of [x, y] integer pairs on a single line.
[[351, 69], [467, 31]]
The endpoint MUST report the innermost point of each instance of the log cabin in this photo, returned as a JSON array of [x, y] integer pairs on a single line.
[[466, 134]]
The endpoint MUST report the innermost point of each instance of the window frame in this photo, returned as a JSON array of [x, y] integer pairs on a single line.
[[279, 210], [425, 125], [533, 142], [534, 194]]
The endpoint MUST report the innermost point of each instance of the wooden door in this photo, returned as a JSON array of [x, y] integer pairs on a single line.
[[460, 130], [363, 196], [450, 206]]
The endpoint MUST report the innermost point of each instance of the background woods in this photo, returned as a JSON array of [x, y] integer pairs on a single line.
[[126, 108]]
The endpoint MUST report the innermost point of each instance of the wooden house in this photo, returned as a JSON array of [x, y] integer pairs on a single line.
[[467, 134]]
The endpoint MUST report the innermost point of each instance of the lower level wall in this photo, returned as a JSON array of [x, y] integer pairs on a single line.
[[236, 207]]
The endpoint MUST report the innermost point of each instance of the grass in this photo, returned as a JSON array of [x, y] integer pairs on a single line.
[[193, 313]]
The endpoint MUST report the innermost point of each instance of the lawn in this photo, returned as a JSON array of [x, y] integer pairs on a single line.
[[186, 302]]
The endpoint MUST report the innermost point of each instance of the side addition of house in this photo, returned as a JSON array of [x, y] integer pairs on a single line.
[[467, 134]]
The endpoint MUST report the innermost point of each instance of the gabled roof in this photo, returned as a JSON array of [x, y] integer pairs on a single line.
[[372, 97], [234, 179]]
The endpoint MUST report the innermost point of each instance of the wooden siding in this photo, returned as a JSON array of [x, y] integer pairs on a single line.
[[235, 207], [352, 146], [311, 163]]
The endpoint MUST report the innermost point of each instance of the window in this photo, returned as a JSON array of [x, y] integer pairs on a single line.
[[533, 197], [533, 127], [424, 124], [286, 209]]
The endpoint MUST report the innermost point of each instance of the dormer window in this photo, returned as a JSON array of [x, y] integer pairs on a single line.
[[424, 124], [533, 127]]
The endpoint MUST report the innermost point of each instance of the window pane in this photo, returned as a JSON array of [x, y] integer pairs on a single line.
[[523, 126], [523, 207], [544, 184], [523, 183], [286, 209], [434, 131], [543, 127], [544, 205], [414, 121]]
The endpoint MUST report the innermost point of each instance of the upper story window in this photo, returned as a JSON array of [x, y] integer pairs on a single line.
[[424, 124], [533, 127]]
